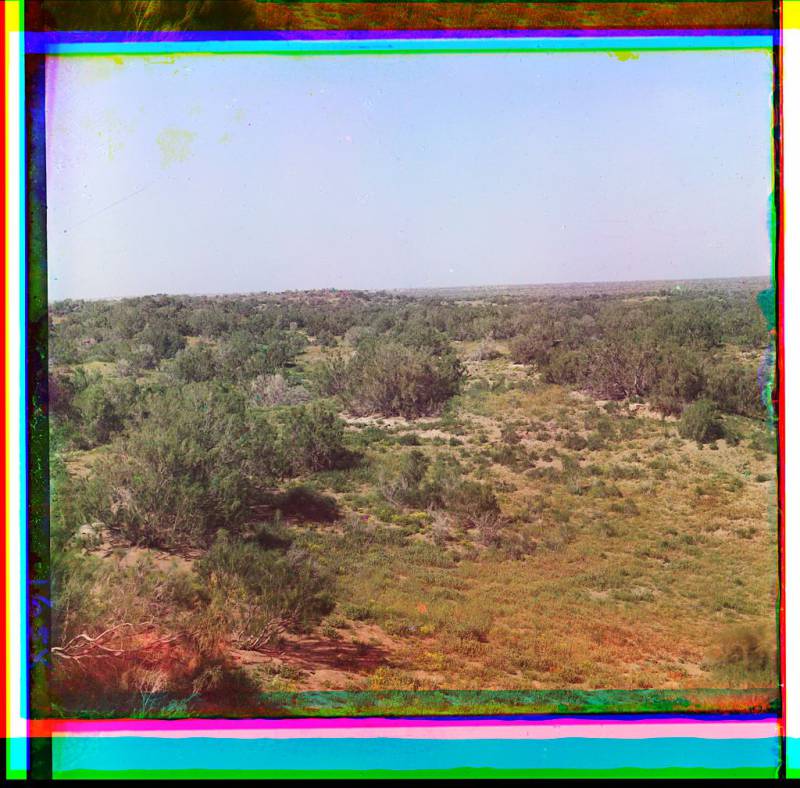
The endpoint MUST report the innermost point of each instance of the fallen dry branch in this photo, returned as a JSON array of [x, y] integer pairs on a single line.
[[84, 646]]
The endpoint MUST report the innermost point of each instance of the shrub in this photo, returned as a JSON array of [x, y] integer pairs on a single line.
[[747, 647], [356, 334], [400, 479], [490, 528], [245, 355], [679, 380], [486, 351], [163, 342], [471, 501], [509, 435], [568, 367], [471, 623], [150, 641], [533, 348], [732, 432], [390, 378], [594, 441], [102, 408], [312, 437], [260, 593], [190, 468], [408, 439], [734, 388], [700, 422], [196, 364], [575, 442]]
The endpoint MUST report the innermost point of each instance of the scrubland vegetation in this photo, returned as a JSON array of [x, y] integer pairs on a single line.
[[376, 491]]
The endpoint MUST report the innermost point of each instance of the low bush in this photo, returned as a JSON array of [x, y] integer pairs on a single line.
[[259, 594], [747, 648], [701, 422]]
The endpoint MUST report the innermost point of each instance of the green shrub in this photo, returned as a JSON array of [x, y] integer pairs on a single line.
[[679, 380], [271, 390], [700, 422], [732, 432], [393, 379], [734, 388], [196, 364], [594, 441], [312, 437], [190, 467], [470, 623], [400, 479], [102, 408], [470, 500], [260, 593], [244, 354], [409, 439]]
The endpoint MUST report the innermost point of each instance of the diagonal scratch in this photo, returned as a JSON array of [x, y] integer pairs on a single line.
[[109, 206]]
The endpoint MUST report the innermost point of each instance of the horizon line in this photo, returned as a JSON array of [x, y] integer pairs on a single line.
[[402, 290]]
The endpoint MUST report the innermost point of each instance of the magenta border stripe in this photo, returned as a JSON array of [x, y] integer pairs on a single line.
[[413, 728]]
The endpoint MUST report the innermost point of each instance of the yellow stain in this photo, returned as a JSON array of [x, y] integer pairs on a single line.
[[623, 56], [175, 145]]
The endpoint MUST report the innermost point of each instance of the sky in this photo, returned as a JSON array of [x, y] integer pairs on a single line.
[[248, 173]]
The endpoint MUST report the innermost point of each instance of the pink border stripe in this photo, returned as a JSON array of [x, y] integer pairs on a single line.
[[434, 729]]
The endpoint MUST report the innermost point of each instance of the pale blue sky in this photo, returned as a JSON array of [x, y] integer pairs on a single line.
[[212, 174]]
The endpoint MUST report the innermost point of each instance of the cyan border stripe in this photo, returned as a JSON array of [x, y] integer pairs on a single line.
[[205, 753], [369, 43]]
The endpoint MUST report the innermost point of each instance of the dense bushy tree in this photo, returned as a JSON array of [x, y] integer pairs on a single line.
[[734, 387], [189, 468], [245, 354], [102, 407], [196, 364], [680, 379], [312, 437], [391, 378]]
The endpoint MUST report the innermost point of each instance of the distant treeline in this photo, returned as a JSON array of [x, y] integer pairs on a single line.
[[670, 348]]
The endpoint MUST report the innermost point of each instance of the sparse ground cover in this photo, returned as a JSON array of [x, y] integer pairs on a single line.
[[488, 521]]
